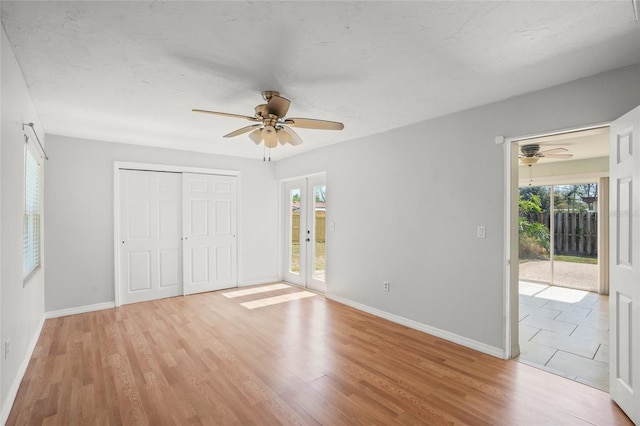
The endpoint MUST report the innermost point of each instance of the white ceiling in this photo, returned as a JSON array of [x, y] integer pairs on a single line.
[[132, 71]]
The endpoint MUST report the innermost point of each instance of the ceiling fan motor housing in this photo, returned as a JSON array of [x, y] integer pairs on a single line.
[[530, 150]]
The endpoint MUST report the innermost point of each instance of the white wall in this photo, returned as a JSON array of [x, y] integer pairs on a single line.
[[21, 307], [79, 216], [406, 204]]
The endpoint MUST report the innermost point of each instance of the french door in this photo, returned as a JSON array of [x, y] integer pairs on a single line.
[[304, 240]]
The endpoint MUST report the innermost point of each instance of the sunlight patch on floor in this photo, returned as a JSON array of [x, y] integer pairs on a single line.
[[529, 289], [254, 290], [562, 294], [277, 299]]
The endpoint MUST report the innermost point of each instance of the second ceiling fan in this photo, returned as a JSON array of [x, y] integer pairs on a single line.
[[272, 126]]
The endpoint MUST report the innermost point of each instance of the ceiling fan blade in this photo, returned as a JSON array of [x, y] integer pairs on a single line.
[[256, 136], [226, 114], [311, 123], [553, 151], [270, 137], [278, 106], [241, 131], [293, 137], [557, 155]]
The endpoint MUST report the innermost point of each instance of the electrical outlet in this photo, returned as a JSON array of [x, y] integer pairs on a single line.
[[385, 285], [6, 349]]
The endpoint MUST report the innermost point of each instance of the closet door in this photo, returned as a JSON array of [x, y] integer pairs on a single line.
[[209, 236], [150, 253]]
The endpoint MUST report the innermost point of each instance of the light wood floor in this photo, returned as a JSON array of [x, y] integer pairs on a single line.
[[206, 359]]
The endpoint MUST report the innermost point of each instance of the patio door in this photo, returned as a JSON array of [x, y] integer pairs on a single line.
[[304, 239], [624, 295]]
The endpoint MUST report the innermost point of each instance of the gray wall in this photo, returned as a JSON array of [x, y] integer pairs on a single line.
[[21, 304], [406, 204], [79, 216]]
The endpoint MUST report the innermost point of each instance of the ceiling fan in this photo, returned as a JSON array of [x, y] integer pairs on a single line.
[[530, 154], [272, 124]]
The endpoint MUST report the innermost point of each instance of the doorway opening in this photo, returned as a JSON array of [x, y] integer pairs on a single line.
[[563, 318]]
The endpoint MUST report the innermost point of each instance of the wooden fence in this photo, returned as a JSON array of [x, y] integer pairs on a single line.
[[574, 233], [320, 226]]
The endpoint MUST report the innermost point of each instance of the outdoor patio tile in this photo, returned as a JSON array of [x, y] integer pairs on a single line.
[[586, 370], [603, 354], [575, 345], [539, 312], [597, 322], [532, 301], [594, 301], [599, 336], [567, 307], [535, 354], [527, 332], [548, 324]]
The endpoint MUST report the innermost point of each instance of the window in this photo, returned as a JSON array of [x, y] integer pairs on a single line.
[[31, 225]]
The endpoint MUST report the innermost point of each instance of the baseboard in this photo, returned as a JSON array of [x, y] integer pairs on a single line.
[[446, 335], [79, 310], [15, 386], [259, 282]]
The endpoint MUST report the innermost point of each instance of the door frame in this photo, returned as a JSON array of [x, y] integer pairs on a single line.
[[152, 167], [511, 255], [284, 224]]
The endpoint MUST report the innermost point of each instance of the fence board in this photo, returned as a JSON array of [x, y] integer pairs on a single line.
[[574, 233]]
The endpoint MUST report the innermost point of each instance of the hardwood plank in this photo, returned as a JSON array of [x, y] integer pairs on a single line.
[[205, 359]]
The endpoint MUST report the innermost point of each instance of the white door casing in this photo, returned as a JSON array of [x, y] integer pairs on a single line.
[[149, 235], [209, 235], [624, 261]]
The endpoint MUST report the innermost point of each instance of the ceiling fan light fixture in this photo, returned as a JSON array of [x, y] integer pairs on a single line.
[[269, 136], [529, 161], [283, 137], [256, 136]]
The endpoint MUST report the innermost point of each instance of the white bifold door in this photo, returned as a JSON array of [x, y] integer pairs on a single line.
[[624, 293], [177, 234]]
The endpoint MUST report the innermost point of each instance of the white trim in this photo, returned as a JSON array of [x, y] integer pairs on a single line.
[[446, 335], [13, 390], [127, 165], [506, 318], [79, 310]]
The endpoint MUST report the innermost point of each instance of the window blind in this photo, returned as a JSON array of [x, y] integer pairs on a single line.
[[31, 225]]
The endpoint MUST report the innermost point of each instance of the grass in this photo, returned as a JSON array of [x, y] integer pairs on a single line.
[[320, 257], [576, 259]]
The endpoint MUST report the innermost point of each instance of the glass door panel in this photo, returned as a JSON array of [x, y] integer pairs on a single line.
[[575, 248], [294, 220], [534, 236], [319, 222]]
